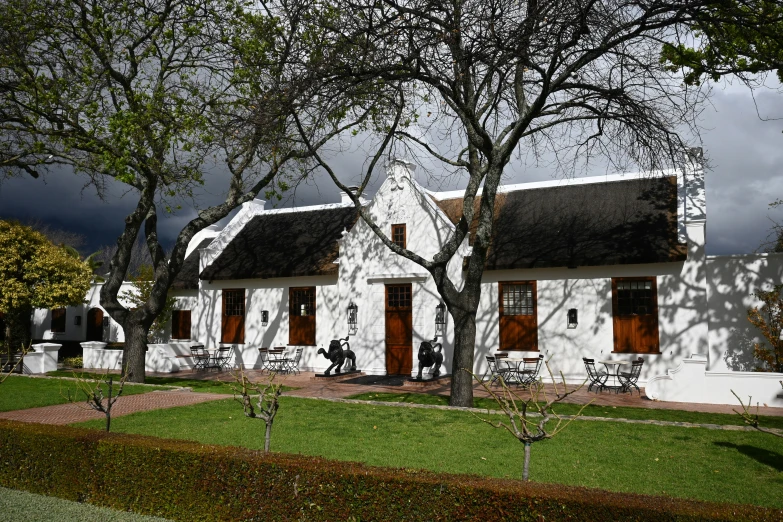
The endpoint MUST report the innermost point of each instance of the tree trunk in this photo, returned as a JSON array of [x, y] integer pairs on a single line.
[[135, 350], [462, 366], [268, 435], [17, 329], [526, 463]]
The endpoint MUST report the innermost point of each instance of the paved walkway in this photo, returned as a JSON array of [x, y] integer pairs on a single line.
[[306, 387], [80, 412]]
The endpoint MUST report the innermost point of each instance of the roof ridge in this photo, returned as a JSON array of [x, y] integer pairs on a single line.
[[560, 183]]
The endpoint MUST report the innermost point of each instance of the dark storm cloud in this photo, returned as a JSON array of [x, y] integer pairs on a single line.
[[746, 154]]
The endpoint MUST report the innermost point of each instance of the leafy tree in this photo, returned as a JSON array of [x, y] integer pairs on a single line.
[[739, 37], [154, 94], [142, 284], [477, 83], [768, 318], [34, 273]]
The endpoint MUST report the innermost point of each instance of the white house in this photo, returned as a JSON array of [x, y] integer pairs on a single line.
[[625, 253]]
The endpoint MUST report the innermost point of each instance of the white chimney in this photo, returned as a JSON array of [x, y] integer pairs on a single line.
[[345, 198]]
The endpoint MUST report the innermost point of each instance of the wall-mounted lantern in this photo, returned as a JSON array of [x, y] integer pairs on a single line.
[[264, 317], [77, 320], [572, 318], [353, 315], [105, 321], [440, 317]]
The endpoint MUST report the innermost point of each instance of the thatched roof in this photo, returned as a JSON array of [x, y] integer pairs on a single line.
[[616, 222], [284, 244], [187, 279]]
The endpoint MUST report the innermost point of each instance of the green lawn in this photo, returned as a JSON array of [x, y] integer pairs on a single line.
[[714, 465], [589, 411], [19, 392], [21, 505]]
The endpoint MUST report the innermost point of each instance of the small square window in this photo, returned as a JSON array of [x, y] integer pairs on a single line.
[[58, 320], [398, 235]]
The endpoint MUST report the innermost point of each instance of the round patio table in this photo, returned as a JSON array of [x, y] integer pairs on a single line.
[[613, 371]]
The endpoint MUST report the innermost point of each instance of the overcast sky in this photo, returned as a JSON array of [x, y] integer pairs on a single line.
[[745, 151]]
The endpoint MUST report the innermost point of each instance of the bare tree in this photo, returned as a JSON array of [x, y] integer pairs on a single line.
[[518, 411], [156, 94], [267, 400], [752, 419], [93, 391], [476, 83]]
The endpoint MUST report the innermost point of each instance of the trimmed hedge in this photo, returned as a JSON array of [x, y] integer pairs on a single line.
[[189, 481]]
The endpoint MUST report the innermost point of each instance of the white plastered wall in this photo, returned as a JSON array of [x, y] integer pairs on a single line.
[[270, 295], [732, 282]]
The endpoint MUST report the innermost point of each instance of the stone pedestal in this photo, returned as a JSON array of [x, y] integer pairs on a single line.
[[442, 380], [337, 376], [43, 359]]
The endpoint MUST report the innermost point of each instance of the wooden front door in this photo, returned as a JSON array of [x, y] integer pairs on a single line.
[[301, 316], [635, 315], [518, 316], [95, 325], [233, 323], [399, 330]]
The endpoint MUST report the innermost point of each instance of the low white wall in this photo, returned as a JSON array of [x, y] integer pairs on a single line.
[[43, 359], [161, 358], [691, 382], [95, 356]]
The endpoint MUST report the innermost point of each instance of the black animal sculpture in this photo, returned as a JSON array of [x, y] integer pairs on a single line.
[[338, 355], [429, 357]]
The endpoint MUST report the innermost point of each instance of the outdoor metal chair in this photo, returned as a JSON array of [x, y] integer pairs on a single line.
[[597, 377], [628, 379], [276, 361], [222, 358], [497, 369], [200, 356], [492, 368], [528, 372], [507, 369], [292, 363]]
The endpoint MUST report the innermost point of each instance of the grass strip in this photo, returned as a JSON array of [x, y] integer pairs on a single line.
[[197, 385], [19, 392], [712, 465], [593, 410], [21, 505]]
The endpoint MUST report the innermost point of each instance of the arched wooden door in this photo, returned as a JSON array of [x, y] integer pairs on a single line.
[[95, 324], [399, 331]]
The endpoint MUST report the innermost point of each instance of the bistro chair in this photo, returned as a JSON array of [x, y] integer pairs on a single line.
[[597, 377], [292, 363], [276, 361], [509, 370], [492, 366], [628, 379], [222, 359], [263, 357], [200, 357], [528, 372]]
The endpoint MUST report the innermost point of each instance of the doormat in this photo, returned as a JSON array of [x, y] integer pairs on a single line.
[[378, 380]]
